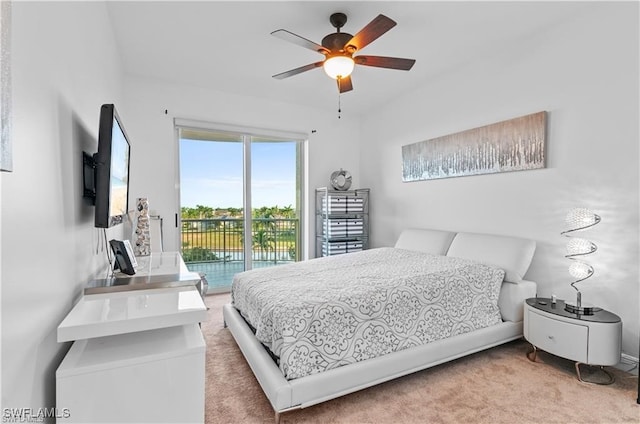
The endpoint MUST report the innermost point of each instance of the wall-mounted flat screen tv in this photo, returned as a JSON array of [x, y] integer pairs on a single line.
[[111, 169]]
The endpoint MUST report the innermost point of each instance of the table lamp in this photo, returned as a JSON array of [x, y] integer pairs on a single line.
[[580, 219]]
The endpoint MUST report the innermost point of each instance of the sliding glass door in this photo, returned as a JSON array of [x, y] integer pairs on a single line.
[[240, 202]]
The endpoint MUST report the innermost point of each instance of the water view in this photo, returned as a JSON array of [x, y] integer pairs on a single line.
[[213, 240]]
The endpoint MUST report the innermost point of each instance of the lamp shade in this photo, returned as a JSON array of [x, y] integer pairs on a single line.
[[338, 66], [580, 218], [580, 246], [580, 270]]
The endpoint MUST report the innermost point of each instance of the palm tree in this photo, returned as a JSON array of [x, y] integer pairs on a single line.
[[204, 211], [288, 212], [188, 213], [263, 241], [234, 212]]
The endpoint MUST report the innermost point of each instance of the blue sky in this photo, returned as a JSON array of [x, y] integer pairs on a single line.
[[211, 174]]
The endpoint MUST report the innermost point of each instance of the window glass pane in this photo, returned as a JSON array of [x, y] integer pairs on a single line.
[[211, 203], [275, 227]]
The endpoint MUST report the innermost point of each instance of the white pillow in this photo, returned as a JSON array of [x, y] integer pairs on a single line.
[[512, 254], [429, 241]]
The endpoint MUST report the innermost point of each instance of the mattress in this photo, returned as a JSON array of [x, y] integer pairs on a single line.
[[328, 312]]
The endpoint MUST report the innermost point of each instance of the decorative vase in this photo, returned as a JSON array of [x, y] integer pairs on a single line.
[[142, 240]]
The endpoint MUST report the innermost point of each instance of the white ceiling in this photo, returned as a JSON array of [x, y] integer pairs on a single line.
[[227, 46]]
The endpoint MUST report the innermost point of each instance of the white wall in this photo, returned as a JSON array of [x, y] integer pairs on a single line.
[[154, 147], [584, 72], [65, 65]]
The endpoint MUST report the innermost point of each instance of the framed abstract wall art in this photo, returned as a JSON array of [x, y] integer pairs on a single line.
[[513, 145]]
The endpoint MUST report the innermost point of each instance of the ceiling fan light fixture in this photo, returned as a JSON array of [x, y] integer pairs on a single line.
[[339, 47], [338, 66]]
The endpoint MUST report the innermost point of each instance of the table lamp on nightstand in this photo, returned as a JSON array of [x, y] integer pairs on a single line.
[[580, 219]]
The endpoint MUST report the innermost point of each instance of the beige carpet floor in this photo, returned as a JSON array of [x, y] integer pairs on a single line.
[[499, 385]]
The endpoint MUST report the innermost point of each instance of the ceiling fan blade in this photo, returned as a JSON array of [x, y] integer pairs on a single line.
[[300, 41], [299, 70], [371, 32], [344, 84], [385, 62]]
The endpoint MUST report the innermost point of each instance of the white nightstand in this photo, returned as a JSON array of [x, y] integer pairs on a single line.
[[586, 339]]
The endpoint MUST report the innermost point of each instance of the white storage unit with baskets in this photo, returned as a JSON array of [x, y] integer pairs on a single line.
[[342, 221]]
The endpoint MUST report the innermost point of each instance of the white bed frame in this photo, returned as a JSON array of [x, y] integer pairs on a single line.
[[285, 395]]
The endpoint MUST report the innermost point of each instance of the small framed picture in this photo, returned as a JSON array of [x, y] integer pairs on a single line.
[[123, 259], [129, 249]]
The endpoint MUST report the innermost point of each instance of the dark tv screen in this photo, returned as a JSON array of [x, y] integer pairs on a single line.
[[112, 169]]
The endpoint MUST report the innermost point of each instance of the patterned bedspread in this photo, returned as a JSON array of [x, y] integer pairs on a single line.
[[328, 312]]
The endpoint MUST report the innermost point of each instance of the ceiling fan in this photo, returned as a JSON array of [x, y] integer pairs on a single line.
[[338, 49]]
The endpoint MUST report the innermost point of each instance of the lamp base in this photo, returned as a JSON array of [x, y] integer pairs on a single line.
[[581, 308]]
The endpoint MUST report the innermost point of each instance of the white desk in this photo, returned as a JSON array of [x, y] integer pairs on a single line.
[[110, 314], [163, 269], [138, 353]]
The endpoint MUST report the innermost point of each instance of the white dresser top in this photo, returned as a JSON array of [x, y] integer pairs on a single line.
[[159, 270], [124, 312]]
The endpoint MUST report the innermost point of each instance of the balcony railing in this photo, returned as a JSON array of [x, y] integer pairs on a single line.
[[221, 240]]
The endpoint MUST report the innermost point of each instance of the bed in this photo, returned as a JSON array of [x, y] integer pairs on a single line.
[[316, 330]]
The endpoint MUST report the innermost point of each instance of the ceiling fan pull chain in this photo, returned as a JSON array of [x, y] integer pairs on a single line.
[[339, 97]]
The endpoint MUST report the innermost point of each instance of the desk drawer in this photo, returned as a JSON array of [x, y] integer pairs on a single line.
[[558, 337]]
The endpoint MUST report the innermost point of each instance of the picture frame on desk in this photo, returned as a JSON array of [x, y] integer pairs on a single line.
[[124, 258], [129, 249]]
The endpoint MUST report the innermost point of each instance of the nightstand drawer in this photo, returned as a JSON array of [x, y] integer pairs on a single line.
[[558, 337]]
